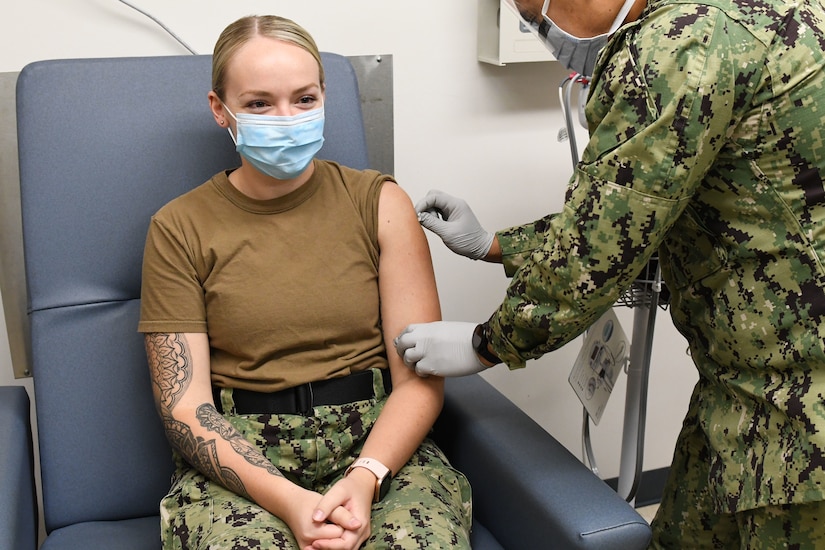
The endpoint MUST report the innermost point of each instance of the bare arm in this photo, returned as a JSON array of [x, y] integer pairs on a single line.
[[183, 395], [408, 295], [494, 255], [180, 372]]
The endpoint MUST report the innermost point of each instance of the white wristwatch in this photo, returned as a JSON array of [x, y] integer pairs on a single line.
[[383, 475]]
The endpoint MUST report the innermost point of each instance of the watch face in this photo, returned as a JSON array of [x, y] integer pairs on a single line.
[[384, 488], [481, 346], [477, 337]]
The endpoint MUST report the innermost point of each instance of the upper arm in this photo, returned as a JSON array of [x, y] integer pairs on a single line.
[[405, 274]]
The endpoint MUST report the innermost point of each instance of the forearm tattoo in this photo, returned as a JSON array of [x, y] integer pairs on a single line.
[[201, 454], [171, 366], [212, 420]]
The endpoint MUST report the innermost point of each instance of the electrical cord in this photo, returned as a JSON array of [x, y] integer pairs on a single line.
[[565, 98], [164, 27], [587, 446], [565, 90]]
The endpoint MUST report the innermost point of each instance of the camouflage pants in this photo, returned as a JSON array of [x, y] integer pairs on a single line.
[[688, 517], [428, 506]]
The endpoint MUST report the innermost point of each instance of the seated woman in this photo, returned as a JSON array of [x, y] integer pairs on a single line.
[[270, 297]]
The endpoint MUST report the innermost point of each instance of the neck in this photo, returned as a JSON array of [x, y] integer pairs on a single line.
[[592, 17], [636, 10], [258, 186]]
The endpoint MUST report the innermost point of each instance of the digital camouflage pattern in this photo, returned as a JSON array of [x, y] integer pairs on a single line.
[[707, 123], [428, 506], [688, 518]]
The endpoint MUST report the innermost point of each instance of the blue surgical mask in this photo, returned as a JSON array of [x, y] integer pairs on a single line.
[[280, 146], [577, 54]]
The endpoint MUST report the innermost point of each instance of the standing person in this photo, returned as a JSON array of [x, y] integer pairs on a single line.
[[706, 144], [268, 296]]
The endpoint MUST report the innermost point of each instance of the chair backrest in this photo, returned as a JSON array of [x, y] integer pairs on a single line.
[[104, 143]]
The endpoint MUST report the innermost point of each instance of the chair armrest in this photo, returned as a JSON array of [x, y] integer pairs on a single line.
[[528, 490], [18, 503]]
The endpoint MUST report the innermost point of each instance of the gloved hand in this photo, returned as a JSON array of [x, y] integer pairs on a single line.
[[452, 219], [442, 348]]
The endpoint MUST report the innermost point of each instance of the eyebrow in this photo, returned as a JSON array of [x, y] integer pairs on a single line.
[[266, 93]]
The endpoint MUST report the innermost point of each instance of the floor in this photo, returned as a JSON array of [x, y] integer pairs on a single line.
[[648, 512]]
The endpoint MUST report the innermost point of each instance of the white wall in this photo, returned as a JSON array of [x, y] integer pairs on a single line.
[[485, 133]]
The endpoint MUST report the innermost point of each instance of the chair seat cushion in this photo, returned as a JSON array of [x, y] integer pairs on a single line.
[[144, 534], [482, 539], [130, 534]]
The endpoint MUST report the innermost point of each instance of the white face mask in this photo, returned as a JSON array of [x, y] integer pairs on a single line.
[[577, 54]]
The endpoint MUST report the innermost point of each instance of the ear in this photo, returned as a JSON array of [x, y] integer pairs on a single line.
[[218, 111]]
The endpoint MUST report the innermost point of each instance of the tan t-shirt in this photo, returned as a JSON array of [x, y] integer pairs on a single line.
[[287, 289]]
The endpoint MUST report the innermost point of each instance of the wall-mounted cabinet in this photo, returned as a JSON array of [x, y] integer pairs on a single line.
[[503, 39]]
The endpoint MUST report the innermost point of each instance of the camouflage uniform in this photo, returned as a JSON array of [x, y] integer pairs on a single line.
[[707, 123], [428, 506]]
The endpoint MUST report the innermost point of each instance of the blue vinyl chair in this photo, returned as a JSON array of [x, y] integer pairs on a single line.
[[103, 143]]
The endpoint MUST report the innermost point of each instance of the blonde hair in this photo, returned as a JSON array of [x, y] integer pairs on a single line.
[[241, 31]]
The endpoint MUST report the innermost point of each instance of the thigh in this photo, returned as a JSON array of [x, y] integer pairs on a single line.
[[797, 526], [199, 514], [688, 511], [429, 506]]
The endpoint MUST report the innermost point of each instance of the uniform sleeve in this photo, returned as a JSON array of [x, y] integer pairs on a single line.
[[172, 297], [659, 110], [517, 243]]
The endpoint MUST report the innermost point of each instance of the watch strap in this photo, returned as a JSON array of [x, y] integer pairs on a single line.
[[482, 346], [382, 474]]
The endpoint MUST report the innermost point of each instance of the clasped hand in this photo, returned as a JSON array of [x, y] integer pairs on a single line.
[[338, 520], [347, 504]]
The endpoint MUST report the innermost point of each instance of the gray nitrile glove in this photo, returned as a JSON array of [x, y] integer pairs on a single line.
[[442, 348], [452, 219]]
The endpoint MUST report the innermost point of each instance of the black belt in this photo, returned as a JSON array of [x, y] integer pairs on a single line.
[[301, 399]]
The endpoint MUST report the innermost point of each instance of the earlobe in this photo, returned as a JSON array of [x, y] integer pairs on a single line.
[[216, 106]]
